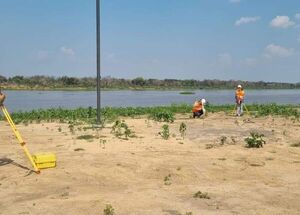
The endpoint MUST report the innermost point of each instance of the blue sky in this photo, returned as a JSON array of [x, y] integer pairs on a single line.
[[200, 39]]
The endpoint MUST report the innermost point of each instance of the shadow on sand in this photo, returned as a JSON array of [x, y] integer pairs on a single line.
[[7, 161]]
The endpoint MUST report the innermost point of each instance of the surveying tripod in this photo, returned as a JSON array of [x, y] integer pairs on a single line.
[[17, 133], [243, 105]]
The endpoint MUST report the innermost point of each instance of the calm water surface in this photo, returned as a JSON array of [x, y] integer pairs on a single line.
[[28, 100]]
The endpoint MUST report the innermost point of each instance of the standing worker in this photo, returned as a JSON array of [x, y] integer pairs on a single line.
[[239, 99], [198, 109]]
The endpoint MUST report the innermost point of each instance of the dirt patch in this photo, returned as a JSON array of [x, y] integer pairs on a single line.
[[147, 175]]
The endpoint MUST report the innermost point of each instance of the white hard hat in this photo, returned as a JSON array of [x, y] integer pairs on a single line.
[[203, 101], [239, 86]]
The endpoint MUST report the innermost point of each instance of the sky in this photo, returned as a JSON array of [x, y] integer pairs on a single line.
[[184, 39]]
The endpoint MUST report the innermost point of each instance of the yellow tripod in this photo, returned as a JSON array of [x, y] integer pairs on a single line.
[[18, 136]]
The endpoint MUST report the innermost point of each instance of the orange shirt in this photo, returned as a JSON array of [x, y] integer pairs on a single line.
[[197, 107], [240, 94]]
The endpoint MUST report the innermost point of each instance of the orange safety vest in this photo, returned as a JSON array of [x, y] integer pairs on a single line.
[[239, 94], [197, 107]]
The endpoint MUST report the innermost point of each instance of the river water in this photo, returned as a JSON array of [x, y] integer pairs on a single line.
[[28, 100]]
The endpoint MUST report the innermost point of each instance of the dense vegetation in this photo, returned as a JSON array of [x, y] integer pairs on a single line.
[[163, 113], [46, 82]]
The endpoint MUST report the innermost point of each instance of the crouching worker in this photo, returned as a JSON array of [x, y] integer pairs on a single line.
[[2, 98], [198, 109]]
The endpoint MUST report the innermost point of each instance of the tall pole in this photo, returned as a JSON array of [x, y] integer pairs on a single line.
[[98, 63]]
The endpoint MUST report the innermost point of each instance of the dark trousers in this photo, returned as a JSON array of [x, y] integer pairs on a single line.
[[198, 114]]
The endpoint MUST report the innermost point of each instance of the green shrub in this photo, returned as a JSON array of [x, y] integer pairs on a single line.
[[163, 116], [255, 140], [109, 210], [120, 129], [165, 133]]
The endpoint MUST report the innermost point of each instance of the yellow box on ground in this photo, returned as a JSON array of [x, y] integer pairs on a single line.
[[44, 160]]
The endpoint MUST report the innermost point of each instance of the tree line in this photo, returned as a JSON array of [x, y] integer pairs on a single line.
[[64, 82]]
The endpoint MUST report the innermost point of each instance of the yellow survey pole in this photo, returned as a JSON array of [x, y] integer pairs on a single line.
[[19, 137]]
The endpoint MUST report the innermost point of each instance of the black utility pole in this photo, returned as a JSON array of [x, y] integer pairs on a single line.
[[98, 63]]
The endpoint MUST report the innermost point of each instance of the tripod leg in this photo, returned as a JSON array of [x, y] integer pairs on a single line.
[[247, 110], [234, 111], [20, 139]]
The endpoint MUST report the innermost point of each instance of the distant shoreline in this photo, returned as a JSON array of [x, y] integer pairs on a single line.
[[64, 83], [130, 89]]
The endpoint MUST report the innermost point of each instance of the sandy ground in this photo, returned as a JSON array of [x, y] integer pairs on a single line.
[[147, 175]]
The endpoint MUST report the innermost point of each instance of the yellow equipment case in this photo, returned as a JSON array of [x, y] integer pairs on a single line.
[[44, 160]]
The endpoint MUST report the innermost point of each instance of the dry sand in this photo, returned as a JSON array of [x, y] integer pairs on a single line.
[[130, 174]]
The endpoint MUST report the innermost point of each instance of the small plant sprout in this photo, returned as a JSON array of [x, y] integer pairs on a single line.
[[201, 195], [102, 143], [71, 127], [255, 140], [182, 130], [167, 180], [109, 210], [165, 133], [223, 140], [120, 129]]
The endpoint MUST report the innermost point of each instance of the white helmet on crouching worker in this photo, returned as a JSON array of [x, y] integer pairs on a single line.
[[203, 101], [239, 86]]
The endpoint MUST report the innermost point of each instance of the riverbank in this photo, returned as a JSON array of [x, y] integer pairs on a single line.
[[160, 113], [146, 174]]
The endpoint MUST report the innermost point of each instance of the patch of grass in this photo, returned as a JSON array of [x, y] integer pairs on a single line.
[[160, 113], [167, 180], [163, 116], [78, 149], [187, 93], [201, 195], [109, 210], [85, 137], [186, 213], [295, 144], [209, 146], [255, 140]]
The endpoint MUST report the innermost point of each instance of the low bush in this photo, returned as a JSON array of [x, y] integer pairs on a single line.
[[255, 140]]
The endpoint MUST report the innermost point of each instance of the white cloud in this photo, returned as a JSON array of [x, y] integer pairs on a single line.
[[273, 50], [282, 22], [297, 16], [234, 1], [246, 20], [67, 51]]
